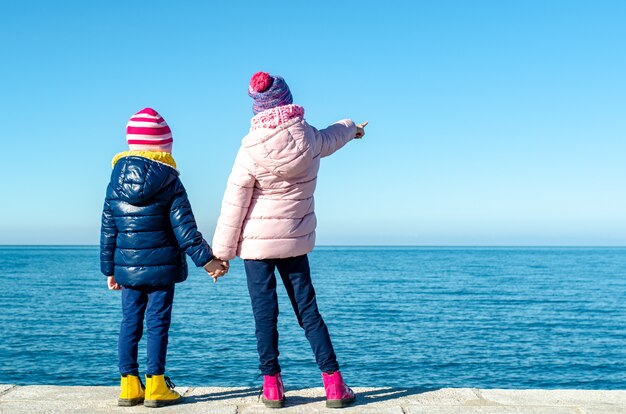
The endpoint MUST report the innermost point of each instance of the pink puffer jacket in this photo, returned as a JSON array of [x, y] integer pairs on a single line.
[[268, 209]]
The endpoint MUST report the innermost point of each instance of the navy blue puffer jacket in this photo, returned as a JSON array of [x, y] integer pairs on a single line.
[[148, 226]]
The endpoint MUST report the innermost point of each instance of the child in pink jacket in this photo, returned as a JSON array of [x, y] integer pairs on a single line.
[[268, 220]]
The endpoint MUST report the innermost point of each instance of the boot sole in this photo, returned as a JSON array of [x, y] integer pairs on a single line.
[[129, 402], [339, 403], [273, 403], [160, 403]]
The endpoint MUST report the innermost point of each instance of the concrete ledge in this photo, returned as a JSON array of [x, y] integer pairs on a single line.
[[80, 399]]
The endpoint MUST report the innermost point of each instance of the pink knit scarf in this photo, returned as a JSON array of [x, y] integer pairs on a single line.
[[275, 117]]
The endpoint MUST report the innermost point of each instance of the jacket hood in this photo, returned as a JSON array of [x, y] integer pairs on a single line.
[[285, 151], [137, 179]]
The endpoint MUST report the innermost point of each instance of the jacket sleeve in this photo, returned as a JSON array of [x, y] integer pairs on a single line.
[[108, 239], [335, 136], [185, 228], [235, 204]]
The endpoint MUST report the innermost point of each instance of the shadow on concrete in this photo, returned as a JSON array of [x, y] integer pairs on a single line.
[[223, 395], [363, 397], [294, 400], [387, 394]]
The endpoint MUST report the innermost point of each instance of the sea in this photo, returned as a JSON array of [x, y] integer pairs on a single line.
[[486, 317]]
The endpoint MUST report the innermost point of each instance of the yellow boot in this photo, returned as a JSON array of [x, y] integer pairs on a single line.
[[132, 391], [159, 392]]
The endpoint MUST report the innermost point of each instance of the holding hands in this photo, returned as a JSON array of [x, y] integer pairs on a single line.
[[217, 268]]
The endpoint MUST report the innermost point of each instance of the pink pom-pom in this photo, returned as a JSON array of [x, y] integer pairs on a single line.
[[261, 81]]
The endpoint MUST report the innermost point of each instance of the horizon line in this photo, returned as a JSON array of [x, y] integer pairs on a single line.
[[386, 245]]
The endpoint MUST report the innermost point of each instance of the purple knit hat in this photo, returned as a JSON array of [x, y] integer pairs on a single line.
[[268, 92]]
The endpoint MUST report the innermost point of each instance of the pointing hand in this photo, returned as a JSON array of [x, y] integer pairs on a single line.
[[360, 130]]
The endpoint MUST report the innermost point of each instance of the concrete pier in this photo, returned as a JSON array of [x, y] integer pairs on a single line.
[[81, 399]]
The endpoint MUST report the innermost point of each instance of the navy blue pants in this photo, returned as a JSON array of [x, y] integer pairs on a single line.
[[155, 302], [296, 276]]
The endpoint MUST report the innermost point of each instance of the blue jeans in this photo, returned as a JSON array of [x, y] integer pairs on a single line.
[[296, 276], [155, 302]]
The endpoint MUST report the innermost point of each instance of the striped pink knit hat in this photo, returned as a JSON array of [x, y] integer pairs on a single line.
[[148, 131]]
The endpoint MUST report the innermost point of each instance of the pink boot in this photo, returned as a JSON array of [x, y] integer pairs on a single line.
[[273, 391], [338, 394]]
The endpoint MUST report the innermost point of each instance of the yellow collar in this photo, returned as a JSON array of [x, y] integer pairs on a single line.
[[162, 157]]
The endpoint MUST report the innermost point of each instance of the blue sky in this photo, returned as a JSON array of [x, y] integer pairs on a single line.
[[491, 122]]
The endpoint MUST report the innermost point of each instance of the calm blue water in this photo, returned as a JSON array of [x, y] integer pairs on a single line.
[[418, 317]]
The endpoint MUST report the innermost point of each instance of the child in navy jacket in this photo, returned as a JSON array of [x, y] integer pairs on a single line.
[[147, 227]]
